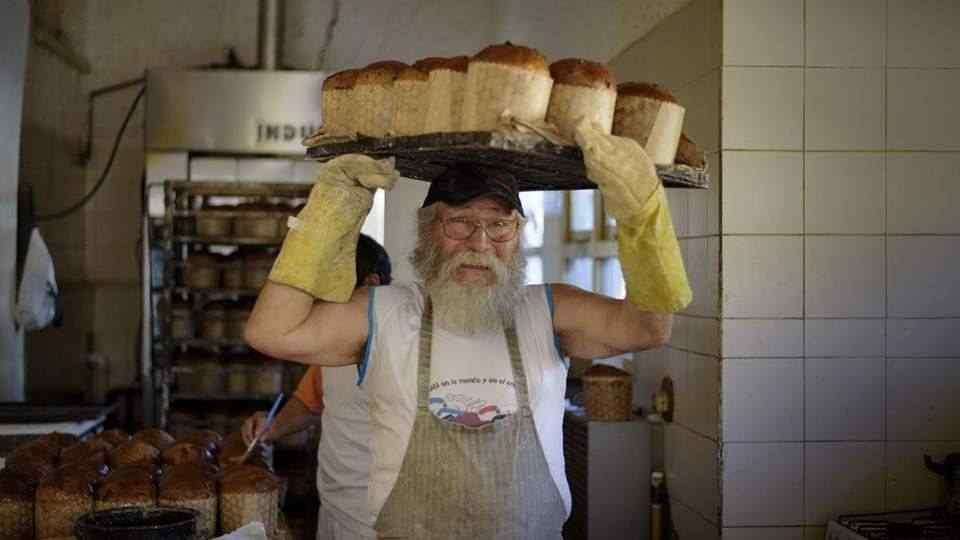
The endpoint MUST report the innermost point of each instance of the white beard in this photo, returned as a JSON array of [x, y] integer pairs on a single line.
[[472, 309]]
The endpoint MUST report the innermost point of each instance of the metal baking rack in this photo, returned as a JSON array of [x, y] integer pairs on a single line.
[[538, 165]]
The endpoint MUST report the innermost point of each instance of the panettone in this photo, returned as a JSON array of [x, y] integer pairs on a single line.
[[649, 114], [581, 90], [113, 436], [248, 494], [37, 449], [688, 153], [184, 452], [86, 450], [157, 438], [506, 77], [446, 85], [204, 438], [608, 393], [29, 465], [189, 486], [16, 505], [61, 498], [60, 440], [410, 90], [124, 487], [373, 98], [337, 99], [132, 452]]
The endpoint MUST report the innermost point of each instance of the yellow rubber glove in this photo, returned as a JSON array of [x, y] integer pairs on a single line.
[[319, 253], [632, 193]]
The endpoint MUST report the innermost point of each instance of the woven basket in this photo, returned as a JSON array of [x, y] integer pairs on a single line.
[[608, 393], [213, 223]]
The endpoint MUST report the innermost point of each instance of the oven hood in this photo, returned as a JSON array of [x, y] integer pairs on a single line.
[[231, 111]]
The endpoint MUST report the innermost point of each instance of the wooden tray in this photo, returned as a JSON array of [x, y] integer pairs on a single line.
[[538, 165]]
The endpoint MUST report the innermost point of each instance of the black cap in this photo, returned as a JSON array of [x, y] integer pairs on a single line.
[[464, 182]]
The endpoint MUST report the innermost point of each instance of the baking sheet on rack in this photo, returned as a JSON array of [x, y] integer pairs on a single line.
[[538, 165]]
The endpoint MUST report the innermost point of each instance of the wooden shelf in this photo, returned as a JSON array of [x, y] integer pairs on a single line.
[[539, 165], [227, 240], [240, 189]]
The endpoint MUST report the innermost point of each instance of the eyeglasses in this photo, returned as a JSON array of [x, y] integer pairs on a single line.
[[501, 230]]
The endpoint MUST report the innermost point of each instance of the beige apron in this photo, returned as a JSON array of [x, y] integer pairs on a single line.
[[490, 482]]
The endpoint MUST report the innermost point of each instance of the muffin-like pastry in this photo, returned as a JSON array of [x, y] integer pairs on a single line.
[[191, 486], [29, 465], [446, 87], [204, 438], [61, 498], [248, 494], [181, 453], [83, 450], [115, 437], [506, 77], [373, 97], [36, 450], [60, 440], [649, 114], [133, 452], [410, 92], [581, 90], [16, 505], [126, 487], [158, 438], [688, 153], [337, 101]]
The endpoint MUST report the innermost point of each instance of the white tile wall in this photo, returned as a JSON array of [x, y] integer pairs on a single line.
[[923, 193], [844, 399], [843, 109], [842, 478], [704, 337], [843, 193], [689, 524], [699, 406], [678, 202], [923, 33], [763, 32], [762, 108], [814, 533], [922, 399], [704, 205], [762, 276], [844, 337], [922, 277], [702, 262], [762, 399], [762, 484], [922, 112], [923, 337], [848, 33], [771, 338], [909, 484], [692, 470], [763, 533], [762, 192], [844, 276]]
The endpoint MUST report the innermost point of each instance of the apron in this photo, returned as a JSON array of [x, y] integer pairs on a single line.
[[488, 482]]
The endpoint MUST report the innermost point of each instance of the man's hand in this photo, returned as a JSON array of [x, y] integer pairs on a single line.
[[253, 425]]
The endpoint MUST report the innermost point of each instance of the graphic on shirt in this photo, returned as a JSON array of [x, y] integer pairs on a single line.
[[466, 408]]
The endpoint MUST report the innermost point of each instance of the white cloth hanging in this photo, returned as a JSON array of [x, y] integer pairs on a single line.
[[37, 297]]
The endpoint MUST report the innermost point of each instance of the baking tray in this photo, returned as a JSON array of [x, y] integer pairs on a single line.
[[538, 165]]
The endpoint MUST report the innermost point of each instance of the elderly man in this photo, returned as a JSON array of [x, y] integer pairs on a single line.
[[464, 370]]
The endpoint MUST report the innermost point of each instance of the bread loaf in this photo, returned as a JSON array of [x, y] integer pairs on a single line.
[[16, 506], [190, 486], [688, 153], [338, 103], [29, 465], [115, 437], [182, 453], [373, 98], [446, 85], [133, 452], [411, 97], [581, 90], [126, 487], [61, 498], [249, 494], [35, 450], [505, 77], [91, 449], [649, 114], [203, 438]]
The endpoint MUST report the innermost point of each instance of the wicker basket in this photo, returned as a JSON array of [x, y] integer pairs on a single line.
[[256, 268], [608, 393], [202, 271], [214, 223], [232, 272], [181, 323], [213, 321], [258, 221]]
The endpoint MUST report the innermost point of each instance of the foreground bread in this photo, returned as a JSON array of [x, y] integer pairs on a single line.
[[446, 85], [126, 487], [373, 98], [115, 437], [204, 438], [92, 450], [158, 438], [337, 97], [502, 78], [191, 486], [581, 90], [185, 452], [16, 506], [649, 114], [410, 98], [61, 499], [248, 494]]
